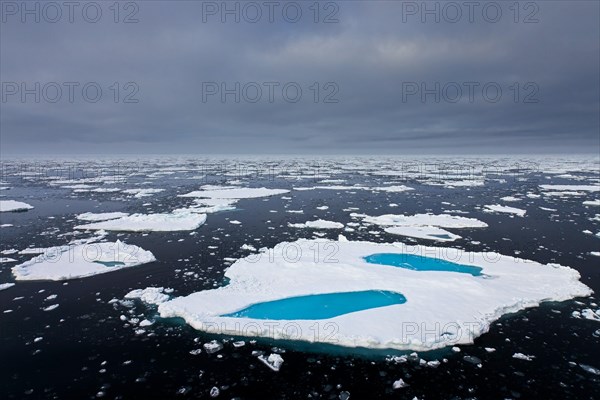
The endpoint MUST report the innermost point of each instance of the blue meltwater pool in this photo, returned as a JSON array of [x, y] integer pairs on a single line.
[[420, 263], [319, 306]]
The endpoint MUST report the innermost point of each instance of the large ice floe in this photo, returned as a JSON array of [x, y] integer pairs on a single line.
[[318, 224], [81, 260], [363, 294], [175, 221], [12, 205], [230, 192], [423, 226], [94, 217]]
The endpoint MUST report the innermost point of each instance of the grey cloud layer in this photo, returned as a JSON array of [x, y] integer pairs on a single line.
[[369, 55]]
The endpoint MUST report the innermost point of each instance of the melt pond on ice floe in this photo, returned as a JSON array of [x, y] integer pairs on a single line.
[[462, 308]]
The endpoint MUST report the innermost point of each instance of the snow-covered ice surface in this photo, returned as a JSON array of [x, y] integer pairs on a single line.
[[103, 336], [12, 205], [4, 286], [442, 221], [505, 209], [318, 224], [423, 232], [100, 216], [176, 221], [235, 193], [471, 303], [423, 226], [69, 262]]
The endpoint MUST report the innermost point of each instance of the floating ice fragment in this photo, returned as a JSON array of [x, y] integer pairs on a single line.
[[12, 205], [176, 221], [212, 347], [504, 209], [79, 261], [399, 384], [318, 224], [150, 295], [521, 356], [274, 361]]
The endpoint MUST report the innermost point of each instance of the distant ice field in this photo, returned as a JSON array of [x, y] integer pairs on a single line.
[[99, 256]]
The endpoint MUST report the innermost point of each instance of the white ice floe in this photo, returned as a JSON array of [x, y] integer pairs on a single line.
[[504, 209], [274, 361], [94, 217], [399, 384], [176, 221], [150, 295], [436, 301], [423, 232], [4, 286], [209, 206], [69, 262], [393, 189], [438, 220], [571, 188], [6, 260], [521, 356], [235, 193], [12, 205], [510, 198], [587, 313], [139, 193], [592, 203], [318, 224]]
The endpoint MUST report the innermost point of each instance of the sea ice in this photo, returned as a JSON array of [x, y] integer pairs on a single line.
[[423, 232], [572, 188], [4, 286], [176, 221], [235, 193], [318, 224], [439, 220], [436, 301], [79, 261], [522, 356], [12, 205], [150, 295], [94, 217], [505, 209], [139, 193], [274, 361]]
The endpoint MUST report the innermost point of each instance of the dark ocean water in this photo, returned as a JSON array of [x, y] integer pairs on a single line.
[[87, 351]]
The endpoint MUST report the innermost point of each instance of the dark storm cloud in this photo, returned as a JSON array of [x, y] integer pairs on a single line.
[[369, 59]]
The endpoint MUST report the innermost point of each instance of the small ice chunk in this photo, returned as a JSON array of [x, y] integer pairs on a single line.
[[212, 347], [399, 384], [521, 356], [274, 361]]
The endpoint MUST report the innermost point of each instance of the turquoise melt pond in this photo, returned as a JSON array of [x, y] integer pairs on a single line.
[[420, 263], [319, 306]]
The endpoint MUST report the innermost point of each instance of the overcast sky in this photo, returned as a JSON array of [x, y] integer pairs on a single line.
[[370, 68]]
